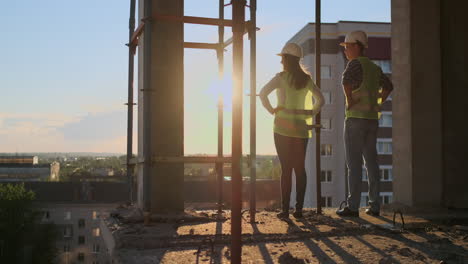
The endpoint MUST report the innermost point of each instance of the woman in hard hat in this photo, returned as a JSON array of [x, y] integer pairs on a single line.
[[293, 119]]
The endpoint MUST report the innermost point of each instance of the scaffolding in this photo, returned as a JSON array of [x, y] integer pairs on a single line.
[[240, 27]]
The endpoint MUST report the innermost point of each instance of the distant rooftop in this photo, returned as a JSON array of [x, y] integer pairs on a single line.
[[19, 159]]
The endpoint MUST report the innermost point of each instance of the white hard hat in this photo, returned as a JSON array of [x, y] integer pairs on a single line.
[[291, 49], [355, 36]]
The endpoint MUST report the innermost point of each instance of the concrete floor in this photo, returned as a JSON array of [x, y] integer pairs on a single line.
[[203, 237]]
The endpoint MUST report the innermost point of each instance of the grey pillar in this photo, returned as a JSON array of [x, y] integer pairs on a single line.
[[454, 38], [417, 104], [161, 107]]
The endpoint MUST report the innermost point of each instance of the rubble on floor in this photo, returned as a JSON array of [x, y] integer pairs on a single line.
[[203, 236]]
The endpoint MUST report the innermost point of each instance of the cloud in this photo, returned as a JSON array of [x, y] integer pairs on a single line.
[[96, 127], [99, 131]]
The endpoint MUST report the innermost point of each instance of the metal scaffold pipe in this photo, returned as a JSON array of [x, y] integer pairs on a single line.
[[253, 107], [146, 108], [318, 116], [220, 55], [238, 15], [131, 65]]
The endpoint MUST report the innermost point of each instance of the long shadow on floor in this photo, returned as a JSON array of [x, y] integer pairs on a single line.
[[343, 254], [313, 247], [216, 256], [262, 246], [420, 246], [321, 256]]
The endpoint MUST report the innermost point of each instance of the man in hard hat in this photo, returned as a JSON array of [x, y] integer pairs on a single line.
[[362, 83]]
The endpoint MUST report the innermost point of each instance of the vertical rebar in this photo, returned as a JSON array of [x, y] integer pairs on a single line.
[[220, 56], [253, 107], [146, 107], [238, 17], [318, 116], [131, 65]]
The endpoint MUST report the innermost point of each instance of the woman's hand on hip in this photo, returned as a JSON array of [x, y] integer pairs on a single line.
[[277, 109]]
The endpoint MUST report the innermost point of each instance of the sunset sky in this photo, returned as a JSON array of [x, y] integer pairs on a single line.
[[63, 71]]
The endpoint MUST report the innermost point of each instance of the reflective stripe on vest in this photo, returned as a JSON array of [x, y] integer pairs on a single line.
[[367, 95]]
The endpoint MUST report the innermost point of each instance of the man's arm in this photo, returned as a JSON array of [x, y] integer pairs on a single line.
[[348, 91], [387, 87], [352, 78]]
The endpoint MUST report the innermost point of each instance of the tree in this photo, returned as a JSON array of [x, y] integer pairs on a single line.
[[23, 238], [268, 169]]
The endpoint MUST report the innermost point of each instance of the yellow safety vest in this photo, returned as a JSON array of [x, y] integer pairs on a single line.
[[367, 95], [295, 120]]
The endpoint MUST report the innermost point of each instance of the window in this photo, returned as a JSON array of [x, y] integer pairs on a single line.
[[326, 176], [326, 201], [327, 97], [67, 231], [96, 232], [95, 215], [386, 65], [386, 197], [81, 223], [384, 146], [386, 174], [81, 257], [96, 248], [326, 149], [386, 119], [326, 124], [325, 72], [66, 248], [81, 240], [67, 216]]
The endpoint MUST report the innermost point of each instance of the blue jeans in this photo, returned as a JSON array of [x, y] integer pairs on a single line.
[[360, 138]]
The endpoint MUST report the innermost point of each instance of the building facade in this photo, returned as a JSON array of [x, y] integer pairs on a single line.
[[80, 232], [27, 168], [334, 173]]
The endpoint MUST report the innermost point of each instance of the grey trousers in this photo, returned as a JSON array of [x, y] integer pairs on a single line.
[[360, 138]]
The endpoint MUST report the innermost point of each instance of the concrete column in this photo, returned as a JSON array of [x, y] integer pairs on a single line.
[[160, 123], [417, 105], [454, 38]]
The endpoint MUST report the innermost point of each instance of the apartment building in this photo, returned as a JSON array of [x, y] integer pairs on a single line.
[[27, 169], [333, 174], [81, 239]]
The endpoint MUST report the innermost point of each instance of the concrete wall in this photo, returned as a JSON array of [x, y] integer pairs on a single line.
[[454, 107], [430, 83]]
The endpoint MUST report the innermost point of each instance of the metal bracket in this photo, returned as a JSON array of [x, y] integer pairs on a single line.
[[343, 203], [401, 216]]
